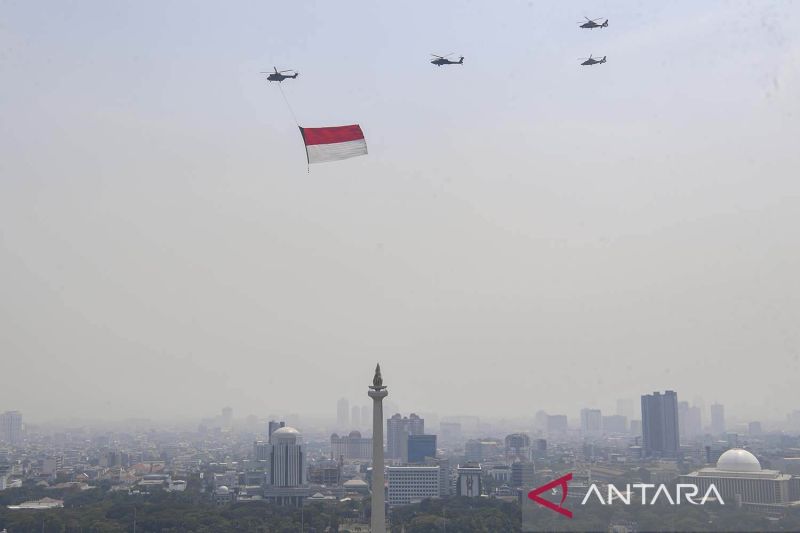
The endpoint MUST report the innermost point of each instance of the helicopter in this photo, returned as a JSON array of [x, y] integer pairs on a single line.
[[592, 24], [442, 60], [592, 60], [280, 76]]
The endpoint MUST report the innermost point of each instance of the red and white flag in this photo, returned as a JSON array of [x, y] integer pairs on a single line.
[[334, 143]]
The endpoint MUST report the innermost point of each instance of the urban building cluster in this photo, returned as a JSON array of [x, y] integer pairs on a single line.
[[408, 457]]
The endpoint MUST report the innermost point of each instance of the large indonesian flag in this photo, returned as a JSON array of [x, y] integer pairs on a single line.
[[334, 143]]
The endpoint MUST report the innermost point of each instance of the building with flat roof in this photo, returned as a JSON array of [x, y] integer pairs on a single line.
[[660, 436], [409, 484], [420, 447], [469, 480], [351, 446]]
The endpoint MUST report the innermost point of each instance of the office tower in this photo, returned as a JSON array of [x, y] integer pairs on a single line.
[[11, 428], [754, 428], [517, 442], [539, 449], [273, 426], [287, 458], [591, 420], [445, 484], [420, 447], [377, 391], [397, 430], [636, 428], [689, 426], [355, 417], [660, 424], [407, 484], [615, 424], [343, 414], [556, 423], [518, 446], [717, 419], [522, 474], [352, 447], [286, 481]]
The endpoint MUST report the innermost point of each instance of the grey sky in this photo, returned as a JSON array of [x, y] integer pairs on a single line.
[[525, 233]]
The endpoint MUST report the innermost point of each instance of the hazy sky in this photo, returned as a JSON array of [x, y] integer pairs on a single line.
[[525, 233]]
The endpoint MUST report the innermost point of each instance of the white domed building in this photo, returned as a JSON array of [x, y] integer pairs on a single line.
[[740, 480], [351, 447], [286, 455]]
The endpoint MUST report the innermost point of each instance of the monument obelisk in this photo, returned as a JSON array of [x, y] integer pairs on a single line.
[[377, 391]]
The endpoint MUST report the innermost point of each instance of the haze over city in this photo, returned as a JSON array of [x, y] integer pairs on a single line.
[[524, 234]]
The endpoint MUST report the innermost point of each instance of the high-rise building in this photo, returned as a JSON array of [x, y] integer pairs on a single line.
[[518, 444], [287, 458], [355, 416], [11, 428], [420, 447], [273, 426], [343, 413], [445, 483], [689, 426], [522, 474], [591, 421], [754, 428], [660, 424], [397, 430], [717, 419], [286, 481], [352, 447], [409, 484]]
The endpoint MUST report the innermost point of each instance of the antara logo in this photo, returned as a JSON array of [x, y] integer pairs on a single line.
[[683, 491], [687, 490]]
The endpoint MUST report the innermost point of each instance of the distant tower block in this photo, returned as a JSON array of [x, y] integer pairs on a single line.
[[377, 391]]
